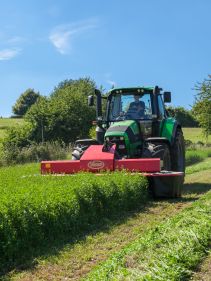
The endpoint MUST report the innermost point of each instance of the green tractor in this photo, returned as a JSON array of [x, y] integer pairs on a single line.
[[137, 122]]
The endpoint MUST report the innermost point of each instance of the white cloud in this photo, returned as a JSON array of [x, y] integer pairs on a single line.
[[15, 40], [109, 80], [112, 83], [8, 54], [62, 36]]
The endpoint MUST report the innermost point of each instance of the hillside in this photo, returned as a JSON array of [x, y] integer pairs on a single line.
[[6, 123]]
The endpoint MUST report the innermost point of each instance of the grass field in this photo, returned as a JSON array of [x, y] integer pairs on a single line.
[[6, 123], [194, 135], [74, 260], [36, 210]]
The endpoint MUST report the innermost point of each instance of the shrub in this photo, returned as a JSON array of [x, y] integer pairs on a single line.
[[34, 153]]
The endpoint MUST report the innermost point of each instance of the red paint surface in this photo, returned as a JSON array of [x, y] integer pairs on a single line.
[[60, 167], [95, 160], [138, 165]]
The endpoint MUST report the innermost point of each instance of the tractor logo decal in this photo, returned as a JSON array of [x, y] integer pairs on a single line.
[[96, 164]]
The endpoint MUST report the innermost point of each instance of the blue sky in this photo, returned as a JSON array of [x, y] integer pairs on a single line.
[[120, 42]]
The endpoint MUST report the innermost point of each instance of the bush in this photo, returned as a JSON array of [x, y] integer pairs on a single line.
[[37, 211], [184, 116], [188, 143], [12, 154], [65, 115]]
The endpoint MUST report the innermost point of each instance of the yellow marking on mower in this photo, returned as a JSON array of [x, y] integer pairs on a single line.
[[47, 165]]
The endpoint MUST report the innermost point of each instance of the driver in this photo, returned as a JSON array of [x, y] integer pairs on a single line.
[[136, 108]]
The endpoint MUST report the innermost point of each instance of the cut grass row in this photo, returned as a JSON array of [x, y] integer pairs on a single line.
[[37, 210], [169, 251], [203, 271]]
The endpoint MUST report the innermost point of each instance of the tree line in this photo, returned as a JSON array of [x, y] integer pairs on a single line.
[[65, 115]]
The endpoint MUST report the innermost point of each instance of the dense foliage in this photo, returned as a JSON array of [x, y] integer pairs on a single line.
[[167, 252], [34, 153], [36, 210], [202, 106], [25, 101], [184, 117], [64, 116]]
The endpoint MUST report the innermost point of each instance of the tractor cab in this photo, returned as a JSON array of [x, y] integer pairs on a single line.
[[132, 115], [130, 105]]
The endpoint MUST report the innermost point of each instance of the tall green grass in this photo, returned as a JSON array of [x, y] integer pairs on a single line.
[[194, 156], [37, 210], [168, 252]]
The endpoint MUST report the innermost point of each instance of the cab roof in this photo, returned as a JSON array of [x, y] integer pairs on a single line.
[[130, 89]]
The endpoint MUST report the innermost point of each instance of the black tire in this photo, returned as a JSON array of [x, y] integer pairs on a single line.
[[178, 159], [80, 146], [159, 151], [161, 186], [78, 151]]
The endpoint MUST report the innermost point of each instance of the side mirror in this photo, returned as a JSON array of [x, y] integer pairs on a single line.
[[167, 97], [90, 100]]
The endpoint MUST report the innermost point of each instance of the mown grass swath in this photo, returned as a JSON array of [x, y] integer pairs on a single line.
[[36, 210], [168, 252]]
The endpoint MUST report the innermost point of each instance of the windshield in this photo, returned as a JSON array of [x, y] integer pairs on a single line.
[[130, 106]]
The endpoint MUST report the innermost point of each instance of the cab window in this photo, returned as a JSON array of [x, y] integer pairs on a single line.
[[161, 107]]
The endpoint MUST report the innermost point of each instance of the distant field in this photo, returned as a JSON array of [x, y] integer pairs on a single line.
[[5, 123], [194, 134]]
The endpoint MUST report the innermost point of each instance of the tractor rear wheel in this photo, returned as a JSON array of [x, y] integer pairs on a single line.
[[178, 158], [161, 186]]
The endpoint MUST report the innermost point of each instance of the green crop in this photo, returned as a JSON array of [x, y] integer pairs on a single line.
[[36, 210], [168, 252], [196, 156]]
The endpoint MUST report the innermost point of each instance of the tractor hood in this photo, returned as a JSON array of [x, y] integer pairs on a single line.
[[128, 128]]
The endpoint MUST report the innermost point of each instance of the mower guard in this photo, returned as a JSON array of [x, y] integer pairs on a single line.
[[95, 160]]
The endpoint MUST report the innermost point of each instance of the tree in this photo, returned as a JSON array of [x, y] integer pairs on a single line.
[[185, 117], [202, 105], [65, 115], [25, 101]]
